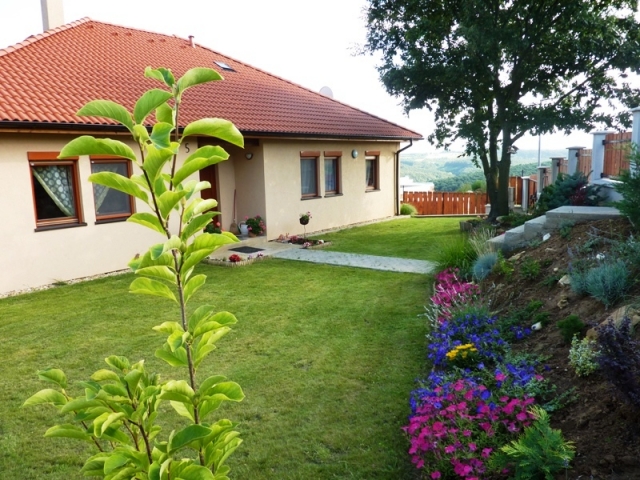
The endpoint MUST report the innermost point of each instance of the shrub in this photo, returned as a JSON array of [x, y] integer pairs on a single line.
[[541, 317], [456, 254], [569, 327], [408, 209], [619, 359], [629, 188], [484, 264], [255, 225], [608, 282], [540, 452], [504, 267], [479, 240], [578, 271], [568, 190], [583, 356], [530, 269], [565, 229]]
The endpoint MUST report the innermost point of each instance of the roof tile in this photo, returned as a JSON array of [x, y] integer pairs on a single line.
[[49, 76]]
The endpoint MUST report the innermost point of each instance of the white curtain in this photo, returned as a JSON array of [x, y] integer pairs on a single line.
[[308, 176], [330, 177], [100, 191], [57, 181]]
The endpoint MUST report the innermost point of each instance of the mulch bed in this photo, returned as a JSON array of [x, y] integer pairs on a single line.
[[604, 428]]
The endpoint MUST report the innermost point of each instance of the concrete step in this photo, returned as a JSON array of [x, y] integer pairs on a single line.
[[514, 238], [535, 228], [497, 243], [558, 216]]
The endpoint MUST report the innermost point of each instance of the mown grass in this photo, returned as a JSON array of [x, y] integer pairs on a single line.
[[326, 357], [418, 238]]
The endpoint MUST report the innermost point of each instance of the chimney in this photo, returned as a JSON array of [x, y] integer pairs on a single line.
[[52, 14], [191, 37]]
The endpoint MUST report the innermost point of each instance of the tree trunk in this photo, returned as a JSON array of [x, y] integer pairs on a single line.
[[502, 205]]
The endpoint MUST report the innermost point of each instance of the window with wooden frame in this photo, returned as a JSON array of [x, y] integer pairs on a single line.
[[309, 174], [56, 191], [111, 205], [332, 173], [372, 162]]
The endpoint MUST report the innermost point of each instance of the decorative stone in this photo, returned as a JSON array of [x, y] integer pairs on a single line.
[[617, 316], [516, 257], [565, 281], [563, 302], [546, 237]]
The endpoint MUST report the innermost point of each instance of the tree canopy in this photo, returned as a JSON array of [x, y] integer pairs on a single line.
[[493, 70]]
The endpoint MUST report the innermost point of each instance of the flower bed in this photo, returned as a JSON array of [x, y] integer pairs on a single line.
[[235, 260], [479, 395]]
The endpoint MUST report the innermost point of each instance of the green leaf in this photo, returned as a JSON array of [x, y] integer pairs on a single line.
[[107, 109], [133, 378], [118, 362], [79, 404], [164, 113], [193, 166], [206, 152], [174, 243], [178, 391], [169, 328], [187, 435], [201, 352], [105, 375], [183, 409], [168, 200], [140, 134], [120, 183], [193, 285], [47, 395], [194, 186], [162, 272], [205, 205], [102, 423], [162, 74], [197, 76], [155, 160], [194, 258], [195, 225], [175, 359], [156, 251], [196, 472], [115, 390], [149, 101], [175, 340], [94, 465], [161, 135], [217, 321], [147, 286], [210, 382], [53, 375], [88, 145], [201, 313], [215, 127], [115, 461], [229, 391], [147, 220], [68, 431]]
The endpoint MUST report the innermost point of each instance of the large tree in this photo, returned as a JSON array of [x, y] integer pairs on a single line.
[[493, 70]]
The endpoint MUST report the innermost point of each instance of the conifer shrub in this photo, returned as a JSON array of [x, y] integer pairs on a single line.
[[569, 327], [629, 188], [484, 264], [608, 282], [568, 190]]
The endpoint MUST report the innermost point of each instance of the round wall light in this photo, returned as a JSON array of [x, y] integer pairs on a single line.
[[249, 155], [354, 153]]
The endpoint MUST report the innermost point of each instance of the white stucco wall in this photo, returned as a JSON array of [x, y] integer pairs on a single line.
[[355, 204], [32, 259]]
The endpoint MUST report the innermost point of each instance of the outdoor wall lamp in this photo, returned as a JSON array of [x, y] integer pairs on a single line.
[[354, 153], [249, 155]]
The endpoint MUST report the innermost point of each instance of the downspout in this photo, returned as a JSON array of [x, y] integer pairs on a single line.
[[397, 177]]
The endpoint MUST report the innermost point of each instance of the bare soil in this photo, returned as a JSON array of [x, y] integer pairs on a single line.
[[604, 428]]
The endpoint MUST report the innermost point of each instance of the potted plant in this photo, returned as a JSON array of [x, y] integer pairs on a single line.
[[304, 221], [255, 225], [213, 227]]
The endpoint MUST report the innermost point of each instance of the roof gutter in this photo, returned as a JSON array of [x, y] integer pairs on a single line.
[[397, 177]]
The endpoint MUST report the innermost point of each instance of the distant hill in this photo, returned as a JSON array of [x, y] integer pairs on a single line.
[[450, 170]]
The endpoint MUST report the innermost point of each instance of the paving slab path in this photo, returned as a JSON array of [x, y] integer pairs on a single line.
[[392, 264]]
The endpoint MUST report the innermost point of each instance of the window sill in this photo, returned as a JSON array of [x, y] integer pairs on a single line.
[[315, 197], [112, 220], [369, 190], [328, 195], [59, 226]]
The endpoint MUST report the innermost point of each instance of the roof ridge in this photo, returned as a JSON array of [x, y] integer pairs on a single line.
[[39, 36], [308, 89]]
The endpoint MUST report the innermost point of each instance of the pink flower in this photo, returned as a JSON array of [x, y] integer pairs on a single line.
[[486, 452], [522, 416], [500, 377], [449, 449], [467, 433], [472, 447], [436, 475]]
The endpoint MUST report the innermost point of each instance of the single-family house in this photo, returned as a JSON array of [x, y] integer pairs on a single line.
[[303, 151]]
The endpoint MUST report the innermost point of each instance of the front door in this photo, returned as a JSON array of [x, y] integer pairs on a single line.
[[210, 174]]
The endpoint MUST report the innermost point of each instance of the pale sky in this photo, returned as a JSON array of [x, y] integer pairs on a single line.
[[309, 42]]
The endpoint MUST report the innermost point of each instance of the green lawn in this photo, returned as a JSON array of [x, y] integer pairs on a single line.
[[418, 238], [326, 357]]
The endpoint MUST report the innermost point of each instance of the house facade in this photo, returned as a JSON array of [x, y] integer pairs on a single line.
[[303, 151]]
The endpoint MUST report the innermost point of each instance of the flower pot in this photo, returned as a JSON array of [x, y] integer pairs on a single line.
[[252, 235], [244, 229], [304, 221]]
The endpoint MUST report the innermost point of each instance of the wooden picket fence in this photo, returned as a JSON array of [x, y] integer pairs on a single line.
[[584, 161], [447, 203], [616, 153]]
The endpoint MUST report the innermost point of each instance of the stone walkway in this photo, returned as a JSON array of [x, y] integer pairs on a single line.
[[374, 262]]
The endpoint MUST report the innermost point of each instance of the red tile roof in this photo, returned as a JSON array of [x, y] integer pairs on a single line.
[[48, 77]]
